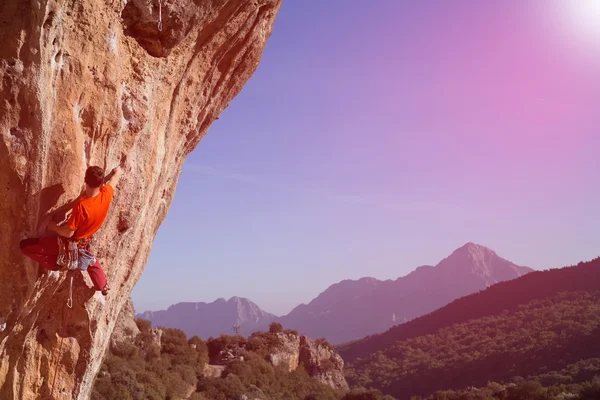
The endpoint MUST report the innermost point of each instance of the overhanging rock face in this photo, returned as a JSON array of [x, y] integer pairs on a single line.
[[92, 83]]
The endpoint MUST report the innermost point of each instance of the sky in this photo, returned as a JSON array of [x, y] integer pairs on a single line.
[[379, 136]]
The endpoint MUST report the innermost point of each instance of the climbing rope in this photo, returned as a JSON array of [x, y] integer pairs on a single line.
[[160, 15], [64, 331], [70, 299]]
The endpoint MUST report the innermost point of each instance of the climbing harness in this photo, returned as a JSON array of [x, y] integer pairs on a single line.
[[75, 253], [68, 253], [160, 26]]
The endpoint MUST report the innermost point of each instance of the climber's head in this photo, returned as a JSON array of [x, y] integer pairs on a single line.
[[94, 177]]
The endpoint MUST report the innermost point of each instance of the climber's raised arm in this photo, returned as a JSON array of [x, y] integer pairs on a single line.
[[113, 178]]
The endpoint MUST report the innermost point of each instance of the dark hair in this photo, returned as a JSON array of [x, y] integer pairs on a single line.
[[94, 177]]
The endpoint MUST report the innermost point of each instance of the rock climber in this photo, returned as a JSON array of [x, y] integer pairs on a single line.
[[72, 246]]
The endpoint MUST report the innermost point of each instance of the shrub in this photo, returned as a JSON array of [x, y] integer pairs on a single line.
[[222, 389], [275, 327], [255, 343], [268, 339], [187, 373], [196, 341], [174, 343], [176, 386], [104, 389], [366, 394], [143, 325], [124, 350], [123, 393], [216, 345], [323, 342], [152, 383], [200, 349]]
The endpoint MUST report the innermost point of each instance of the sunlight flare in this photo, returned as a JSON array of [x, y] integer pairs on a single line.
[[583, 18]]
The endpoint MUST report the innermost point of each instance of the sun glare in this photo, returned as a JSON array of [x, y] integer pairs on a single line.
[[583, 17]]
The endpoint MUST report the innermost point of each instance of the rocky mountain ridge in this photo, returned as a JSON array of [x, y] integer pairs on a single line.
[[211, 319], [352, 309]]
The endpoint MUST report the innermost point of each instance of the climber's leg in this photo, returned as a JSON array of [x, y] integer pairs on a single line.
[[43, 250], [97, 276]]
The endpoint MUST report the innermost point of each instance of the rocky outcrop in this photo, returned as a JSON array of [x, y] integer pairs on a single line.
[[322, 363], [157, 334], [125, 328], [227, 356], [287, 353], [288, 350], [213, 371], [98, 83], [318, 358]]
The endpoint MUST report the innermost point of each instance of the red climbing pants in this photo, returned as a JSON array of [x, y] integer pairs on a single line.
[[45, 251]]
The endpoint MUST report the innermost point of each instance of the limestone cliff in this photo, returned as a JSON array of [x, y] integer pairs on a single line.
[[317, 357], [97, 83], [322, 363], [125, 328], [291, 351]]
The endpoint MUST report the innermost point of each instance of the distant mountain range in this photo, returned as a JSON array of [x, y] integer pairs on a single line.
[[211, 319], [352, 309]]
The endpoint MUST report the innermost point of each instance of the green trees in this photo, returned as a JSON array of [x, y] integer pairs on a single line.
[[323, 342], [539, 338], [142, 370], [544, 349], [275, 327], [366, 394], [523, 390]]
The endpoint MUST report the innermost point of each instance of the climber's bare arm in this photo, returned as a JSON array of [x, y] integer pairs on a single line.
[[64, 230], [112, 179]]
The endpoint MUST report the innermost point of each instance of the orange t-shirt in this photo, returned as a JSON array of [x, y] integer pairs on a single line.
[[89, 213]]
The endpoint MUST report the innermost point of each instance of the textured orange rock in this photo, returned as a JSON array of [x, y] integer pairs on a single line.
[[91, 83]]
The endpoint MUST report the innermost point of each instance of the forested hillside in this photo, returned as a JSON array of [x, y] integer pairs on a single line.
[[533, 338], [164, 364], [541, 329]]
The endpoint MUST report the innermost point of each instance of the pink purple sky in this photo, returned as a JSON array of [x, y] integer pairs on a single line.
[[379, 136]]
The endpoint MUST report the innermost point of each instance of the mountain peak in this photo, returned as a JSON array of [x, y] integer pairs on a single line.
[[470, 253], [474, 248], [479, 260]]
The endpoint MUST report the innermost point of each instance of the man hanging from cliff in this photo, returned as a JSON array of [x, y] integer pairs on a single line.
[[72, 246]]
